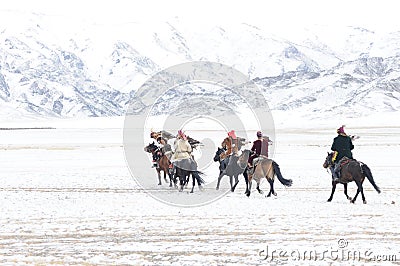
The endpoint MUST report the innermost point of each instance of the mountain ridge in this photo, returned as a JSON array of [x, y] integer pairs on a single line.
[[50, 70]]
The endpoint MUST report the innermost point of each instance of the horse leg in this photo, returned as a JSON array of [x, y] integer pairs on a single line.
[[219, 179], [249, 189], [333, 191], [362, 195], [181, 183], [175, 181], [159, 177], [355, 197], [193, 183], [359, 187], [345, 191], [271, 191], [233, 186], [174, 177], [271, 185], [165, 176], [236, 182], [187, 179], [246, 179], [258, 187], [170, 179]]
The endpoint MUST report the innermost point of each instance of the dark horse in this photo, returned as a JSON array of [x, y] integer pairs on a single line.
[[163, 164], [231, 168], [352, 171], [183, 169], [265, 168]]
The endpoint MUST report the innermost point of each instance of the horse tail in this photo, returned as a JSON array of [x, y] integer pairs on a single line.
[[197, 176], [277, 170], [368, 174]]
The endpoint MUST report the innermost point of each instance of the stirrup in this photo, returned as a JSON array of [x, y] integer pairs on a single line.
[[250, 170]]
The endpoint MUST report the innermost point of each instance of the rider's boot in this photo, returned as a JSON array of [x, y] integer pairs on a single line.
[[250, 169], [336, 173]]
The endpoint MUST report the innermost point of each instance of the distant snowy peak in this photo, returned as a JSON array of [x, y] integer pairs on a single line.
[[353, 88], [51, 66]]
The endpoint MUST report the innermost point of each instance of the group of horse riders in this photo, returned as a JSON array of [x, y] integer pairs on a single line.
[[183, 148], [184, 145], [232, 144]]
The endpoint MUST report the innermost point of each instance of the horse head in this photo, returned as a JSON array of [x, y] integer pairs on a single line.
[[150, 148], [218, 153], [328, 160]]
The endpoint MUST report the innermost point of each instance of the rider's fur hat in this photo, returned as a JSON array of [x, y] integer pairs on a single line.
[[340, 130], [181, 134], [232, 134]]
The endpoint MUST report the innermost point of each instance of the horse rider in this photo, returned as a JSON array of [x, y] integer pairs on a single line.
[[342, 147], [183, 151], [162, 138], [230, 144], [165, 147], [260, 148]]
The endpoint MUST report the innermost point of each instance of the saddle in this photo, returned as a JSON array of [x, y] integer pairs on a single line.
[[256, 161], [344, 161]]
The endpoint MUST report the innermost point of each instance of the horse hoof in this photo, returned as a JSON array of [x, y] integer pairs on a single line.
[[159, 184], [352, 201], [329, 200], [217, 188], [349, 198], [364, 201], [269, 195]]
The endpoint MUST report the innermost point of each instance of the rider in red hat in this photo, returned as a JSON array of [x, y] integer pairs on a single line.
[[342, 147]]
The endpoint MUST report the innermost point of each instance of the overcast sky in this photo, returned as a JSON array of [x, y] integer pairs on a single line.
[[376, 15]]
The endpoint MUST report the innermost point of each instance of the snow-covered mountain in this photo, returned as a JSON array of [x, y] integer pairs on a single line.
[[57, 67]]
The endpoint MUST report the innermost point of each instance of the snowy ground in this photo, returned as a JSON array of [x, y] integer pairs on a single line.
[[67, 197]]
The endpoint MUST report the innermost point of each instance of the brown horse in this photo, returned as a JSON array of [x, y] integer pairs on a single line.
[[352, 171], [265, 168], [162, 165]]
